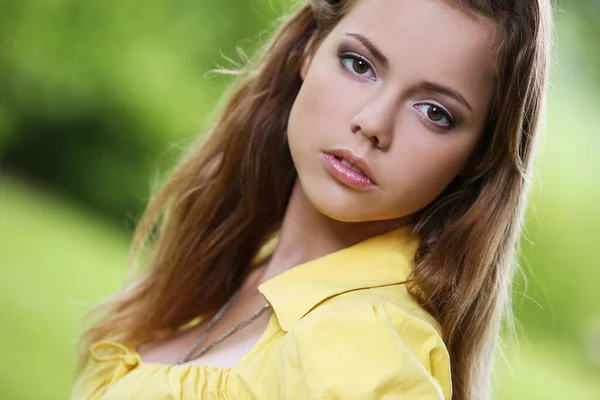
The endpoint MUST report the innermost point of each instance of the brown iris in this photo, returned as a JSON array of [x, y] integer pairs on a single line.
[[435, 113], [360, 66]]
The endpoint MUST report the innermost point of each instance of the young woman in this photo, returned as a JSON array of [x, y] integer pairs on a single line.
[[347, 230]]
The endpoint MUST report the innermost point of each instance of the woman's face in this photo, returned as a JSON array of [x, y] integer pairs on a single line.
[[399, 91]]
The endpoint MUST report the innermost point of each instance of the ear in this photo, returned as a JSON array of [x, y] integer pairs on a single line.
[[307, 56]]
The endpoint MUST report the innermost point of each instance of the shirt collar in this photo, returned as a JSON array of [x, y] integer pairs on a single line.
[[381, 260]]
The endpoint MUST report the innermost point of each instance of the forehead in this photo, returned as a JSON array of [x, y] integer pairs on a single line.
[[426, 37]]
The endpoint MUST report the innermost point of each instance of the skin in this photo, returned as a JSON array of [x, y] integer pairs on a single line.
[[383, 113]]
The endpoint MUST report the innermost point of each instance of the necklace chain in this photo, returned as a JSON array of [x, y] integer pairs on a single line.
[[193, 353]]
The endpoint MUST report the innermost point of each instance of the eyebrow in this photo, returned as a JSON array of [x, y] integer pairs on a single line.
[[428, 86], [378, 54], [434, 87]]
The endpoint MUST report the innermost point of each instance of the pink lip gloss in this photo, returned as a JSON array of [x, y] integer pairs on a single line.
[[344, 174]]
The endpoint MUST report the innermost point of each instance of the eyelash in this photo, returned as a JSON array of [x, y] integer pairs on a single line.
[[451, 121], [344, 56], [355, 57]]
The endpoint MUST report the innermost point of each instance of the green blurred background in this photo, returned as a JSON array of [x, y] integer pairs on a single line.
[[97, 98]]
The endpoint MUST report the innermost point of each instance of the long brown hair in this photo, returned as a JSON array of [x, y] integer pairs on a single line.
[[229, 195]]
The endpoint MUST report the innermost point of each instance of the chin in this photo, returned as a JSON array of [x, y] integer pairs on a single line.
[[343, 204], [341, 215], [340, 203]]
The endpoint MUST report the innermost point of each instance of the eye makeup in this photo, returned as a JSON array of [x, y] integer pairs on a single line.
[[430, 111], [435, 115], [350, 60]]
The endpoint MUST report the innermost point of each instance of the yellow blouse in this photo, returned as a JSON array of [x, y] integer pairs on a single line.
[[343, 327]]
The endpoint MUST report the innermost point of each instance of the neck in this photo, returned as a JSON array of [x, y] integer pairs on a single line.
[[306, 234]]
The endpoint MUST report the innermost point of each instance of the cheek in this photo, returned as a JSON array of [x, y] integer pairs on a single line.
[[322, 106], [429, 162]]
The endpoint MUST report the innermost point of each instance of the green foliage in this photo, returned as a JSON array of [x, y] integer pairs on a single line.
[[94, 93]]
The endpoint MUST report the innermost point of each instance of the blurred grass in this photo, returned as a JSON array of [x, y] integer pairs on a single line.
[[547, 369], [563, 221], [56, 260]]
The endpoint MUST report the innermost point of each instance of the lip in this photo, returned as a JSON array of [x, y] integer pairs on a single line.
[[346, 175]]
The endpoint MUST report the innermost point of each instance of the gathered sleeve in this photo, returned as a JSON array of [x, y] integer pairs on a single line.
[[107, 363], [363, 350]]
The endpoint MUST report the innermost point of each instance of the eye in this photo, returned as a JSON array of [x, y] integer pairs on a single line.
[[357, 65], [436, 114]]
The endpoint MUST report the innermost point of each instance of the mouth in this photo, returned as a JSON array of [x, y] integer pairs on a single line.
[[349, 169], [348, 164]]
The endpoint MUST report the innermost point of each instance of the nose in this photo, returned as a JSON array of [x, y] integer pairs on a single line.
[[375, 120]]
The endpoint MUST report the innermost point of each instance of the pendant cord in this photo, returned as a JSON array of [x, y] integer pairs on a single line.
[[193, 351]]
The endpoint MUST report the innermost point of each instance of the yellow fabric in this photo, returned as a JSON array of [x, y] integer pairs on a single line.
[[343, 327]]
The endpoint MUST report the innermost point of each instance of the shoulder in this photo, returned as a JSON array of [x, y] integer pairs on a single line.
[[369, 344], [107, 361]]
